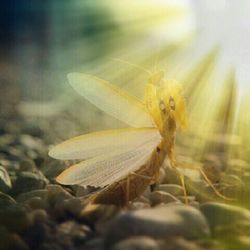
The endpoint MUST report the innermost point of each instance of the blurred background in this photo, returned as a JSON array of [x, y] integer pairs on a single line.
[[202, 44], [205, 45]]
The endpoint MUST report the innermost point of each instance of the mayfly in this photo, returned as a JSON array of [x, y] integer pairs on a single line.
[[124, 162]]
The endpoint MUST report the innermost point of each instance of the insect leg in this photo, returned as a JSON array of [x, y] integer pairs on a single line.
[[207, 180], [212, 185], [181, 176], [142, 176]]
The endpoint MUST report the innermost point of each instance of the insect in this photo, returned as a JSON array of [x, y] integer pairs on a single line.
[[124, 162]]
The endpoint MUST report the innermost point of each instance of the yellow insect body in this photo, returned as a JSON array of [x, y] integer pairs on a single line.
[[123, 162]]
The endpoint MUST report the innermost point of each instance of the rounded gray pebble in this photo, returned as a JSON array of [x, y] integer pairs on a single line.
[[159, 222], [158, 197], [221, 215], [173, 189], [137, 243], [6, 200], [5, 182]]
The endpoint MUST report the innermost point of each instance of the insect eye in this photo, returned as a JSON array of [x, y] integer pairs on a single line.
[[171, 103], [162, 106]]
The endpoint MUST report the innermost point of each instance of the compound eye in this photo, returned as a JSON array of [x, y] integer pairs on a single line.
[[171, 103]]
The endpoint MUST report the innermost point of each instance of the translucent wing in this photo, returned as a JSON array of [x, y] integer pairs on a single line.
[[106, 169], [99, 143], [111, 100]]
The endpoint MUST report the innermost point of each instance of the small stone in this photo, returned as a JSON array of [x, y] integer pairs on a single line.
[[57, 192], [27, 181], [244, 240], [39, 216], [140, 205], [40, 193], [28, 165], [37, 203], [158, 197], [16, 242], [173, 189], [61, 203], [5, 182], [6, 200], [187, 198], [171, 176], [94, 213], [160, 223], [52, 168], [41, 233], [72, 206], [195, 204], [221, 215], [72, 231], [31, 142], [231, 180], [137, 243], [93, 244], [14, 218], [179, 243], [238, 163], [14, 154], [142, 199]]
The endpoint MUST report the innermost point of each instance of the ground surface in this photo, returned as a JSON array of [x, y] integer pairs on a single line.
[[37, 213]]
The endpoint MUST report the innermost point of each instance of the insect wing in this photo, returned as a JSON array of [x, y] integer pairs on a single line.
[[103, 142], [106, 169], [111, 100]]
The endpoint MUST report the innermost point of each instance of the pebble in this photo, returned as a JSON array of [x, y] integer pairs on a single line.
[[179, 243], [173, 189], [5, 182], [14, 218], [221, 215], [187, 199], [13, 242], [171, 176], [42, 233], [52, 168], [6, 200], [57, 192], [28, 181], [31, 142], [28, 165], [231, 179], [36, 203], [72, 231], [159, 222], [39, 193], [61, 203], [244, 241], [137, 243], [97, 213], [39, 216], [66, 208], [158, 197], [94, 244], [140, 205]]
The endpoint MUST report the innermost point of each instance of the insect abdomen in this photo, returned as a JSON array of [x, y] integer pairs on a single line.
[[132, 186]]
